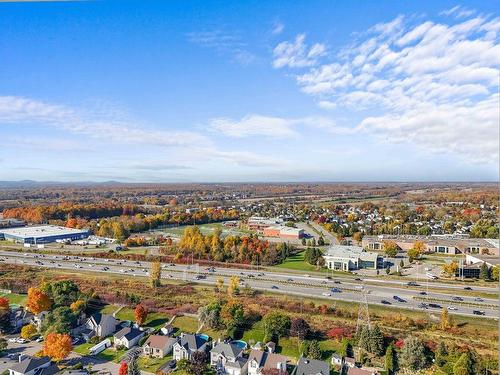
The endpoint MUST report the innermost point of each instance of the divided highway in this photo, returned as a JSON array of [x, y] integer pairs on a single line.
[[390, 293]]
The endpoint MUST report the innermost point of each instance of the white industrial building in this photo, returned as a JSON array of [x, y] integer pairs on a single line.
[[347, 258], [42, 234]]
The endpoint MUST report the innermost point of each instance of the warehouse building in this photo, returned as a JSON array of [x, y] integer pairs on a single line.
[[284, 232], [42, 234], [347, 258]]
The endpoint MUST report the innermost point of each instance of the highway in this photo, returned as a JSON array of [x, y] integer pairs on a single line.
[[390, 293]]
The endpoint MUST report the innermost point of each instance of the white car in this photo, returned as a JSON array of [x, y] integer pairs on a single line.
[[13, 339], [20, 340], [122, 270], [326, 294], [358, 287], [452, 308]]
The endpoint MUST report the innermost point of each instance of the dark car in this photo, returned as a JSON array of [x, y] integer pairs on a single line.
[[457, 298], [434, 305], [478, 312], [467, 288], [423, 293], [399, 299], [423, 306], [357, 279], [385, 302], [335, 290], [412, 283], [274, 287]]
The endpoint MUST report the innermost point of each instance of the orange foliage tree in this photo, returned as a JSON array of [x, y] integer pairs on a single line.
[[37, 301], [57, 346], [140, 314]]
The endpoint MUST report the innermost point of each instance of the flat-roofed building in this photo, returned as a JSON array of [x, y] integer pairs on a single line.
[[346, 258], [259, 223], [283, 231], [42, 234]]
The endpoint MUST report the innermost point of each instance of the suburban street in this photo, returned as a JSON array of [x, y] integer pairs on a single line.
[[390, 293]]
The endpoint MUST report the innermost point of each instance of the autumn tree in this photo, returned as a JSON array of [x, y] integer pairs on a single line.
[[28, 330], [219, 284], [445, 322], [38, 301], [4, 303], [390, 248], [77, 306], [123, 369], [140, 314], [234, 286], [155, 274], [299, 328], [417, 250], [57, 346], [450, 269], [4, 315]]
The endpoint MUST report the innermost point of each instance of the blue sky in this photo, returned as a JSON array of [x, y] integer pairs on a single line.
[[176, 91]]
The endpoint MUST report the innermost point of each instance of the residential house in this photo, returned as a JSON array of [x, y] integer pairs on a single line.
[[19, 317], [349, 362], [336, 360], [306, 366], [102, 324], [259, 360], [228, 359], [158, 346], [28, 365], [167, 329], [38, 319], [127, 337], [188, 344]]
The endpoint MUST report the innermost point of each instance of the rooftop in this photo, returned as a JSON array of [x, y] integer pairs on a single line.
[[41, 231]]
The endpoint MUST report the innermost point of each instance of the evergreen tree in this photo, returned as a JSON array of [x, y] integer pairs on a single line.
[[465, 365], [311, 349], [363, 338], [376, 345], [441, 354], [133, 367], [346, 348], [413, 354], [484, 272], [390, 360]]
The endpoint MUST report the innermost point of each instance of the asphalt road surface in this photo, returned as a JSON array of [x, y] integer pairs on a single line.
[[390, 293]]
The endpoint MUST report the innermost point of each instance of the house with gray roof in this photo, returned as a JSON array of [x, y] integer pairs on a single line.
[[127, 337], [228, 359], [188, 344], [28, 365], [102, 324], [306, 366]]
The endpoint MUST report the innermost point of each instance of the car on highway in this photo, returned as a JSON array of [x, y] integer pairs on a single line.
[[478, 299], [289, 279], [457, 298], [434, 306], [423, 306], [358, 287], [335, 290], [357, 279], [399, 299], [412, 283], [478, 312], [274, 287], [385, 302], [337, 282], [453, 308], [423, 293], [467, 288], [326, 294], [306, 275]]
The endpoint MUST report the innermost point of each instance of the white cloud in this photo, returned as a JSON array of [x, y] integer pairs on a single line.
[[297, 54], [273, 127], [458, 11], [425, 80], [278, 28]]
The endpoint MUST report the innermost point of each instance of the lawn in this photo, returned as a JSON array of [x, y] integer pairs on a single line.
[[206, 229], [186, 324], [297, 262], [15, 299], [112, 354], [152, 364], [83, 349], [154, 320]]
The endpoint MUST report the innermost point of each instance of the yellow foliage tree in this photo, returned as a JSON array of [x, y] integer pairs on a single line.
[[28, 330], [77, 306], [234, 286], [155, 274]]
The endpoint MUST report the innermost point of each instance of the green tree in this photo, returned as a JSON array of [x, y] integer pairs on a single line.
[[465, 365], [311, 349], [3, 344], [59, 320], [441, 354], [484, 272], [494, 273], [413, 354], [63, 292], [390, 359], [346, 348], [133, 366], [376, 341], [276, 324]]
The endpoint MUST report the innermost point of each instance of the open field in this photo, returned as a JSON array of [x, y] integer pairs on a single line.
[[206, 229]]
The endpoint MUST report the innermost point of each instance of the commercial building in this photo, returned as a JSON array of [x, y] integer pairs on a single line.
[[347, 258], [471, 269], [42, 234], [284, 232], [259, 223], [445, 244]]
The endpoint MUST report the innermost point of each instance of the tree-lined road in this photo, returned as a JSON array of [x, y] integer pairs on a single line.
[[335, 288]]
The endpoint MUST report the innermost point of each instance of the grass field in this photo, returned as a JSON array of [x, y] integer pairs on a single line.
[[206, 229], [154, 320], [15, 299], [297, 262], [152, 364]]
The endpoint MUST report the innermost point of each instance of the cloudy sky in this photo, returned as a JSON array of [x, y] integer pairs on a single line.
[[257, 91]]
